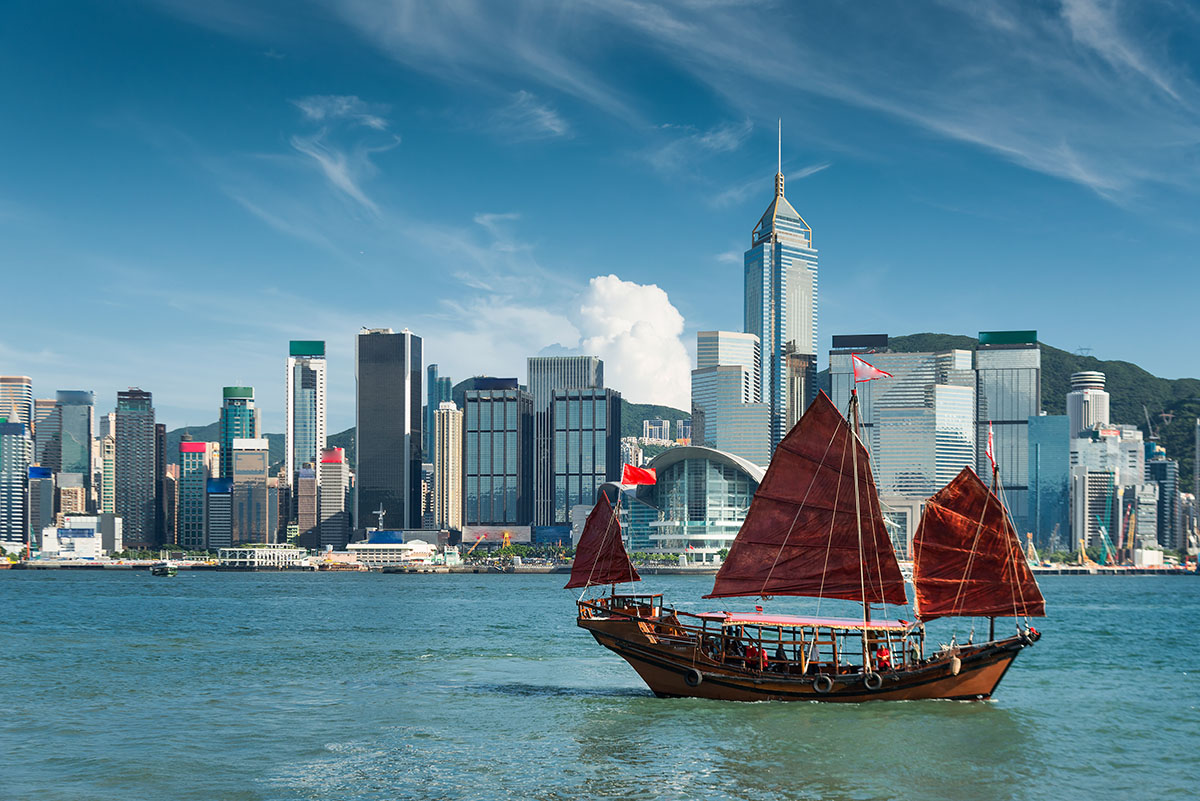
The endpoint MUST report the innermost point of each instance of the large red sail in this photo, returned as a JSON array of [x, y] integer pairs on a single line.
[[600, 557], [967, 559], [801, 535]]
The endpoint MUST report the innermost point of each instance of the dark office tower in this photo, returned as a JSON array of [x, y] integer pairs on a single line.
[[439, 390], [218, 513], [161, 536], [239, 420], [47, 442], [134, 466], [546, 374], [586, 450], [77, 427], [305, 495], [388, 413], [498, 457]]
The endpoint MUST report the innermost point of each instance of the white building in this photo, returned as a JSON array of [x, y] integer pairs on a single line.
[[334, 481], [447, 467], [277, 556], [385, 554], [656, 428], [1087, 402], [71, 543]]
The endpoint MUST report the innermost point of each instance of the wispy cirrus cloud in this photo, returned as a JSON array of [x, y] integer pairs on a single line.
[[738, 193], [323, 108], [527, 119], [684, 151]]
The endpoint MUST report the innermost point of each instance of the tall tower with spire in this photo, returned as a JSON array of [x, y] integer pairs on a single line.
[[781, 307]]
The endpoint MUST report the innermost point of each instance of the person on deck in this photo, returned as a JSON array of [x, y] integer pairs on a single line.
[[883, 658]]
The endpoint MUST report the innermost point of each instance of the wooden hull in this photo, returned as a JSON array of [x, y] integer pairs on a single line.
[[680, 670]]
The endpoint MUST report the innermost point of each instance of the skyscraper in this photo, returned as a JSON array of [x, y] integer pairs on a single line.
[[388, 411], [255, 492], [16, 399], [547, 374], [77, 414], [498, 457], [135, 466], [162, 536], [239, 420], [107, 502], [198, 463], [1049, 478], [305, 435], [47, 433], [781, 308], [334, 526], [1087, 402], [305, 492], [448, 467], [439, 389], [218, 513], [1008, 391], [587, 446], [727, 412], [16, 453]]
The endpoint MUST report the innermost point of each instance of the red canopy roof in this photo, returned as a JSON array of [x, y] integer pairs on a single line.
[[967, 559], [801, 534], [760, 619], [600, 556]]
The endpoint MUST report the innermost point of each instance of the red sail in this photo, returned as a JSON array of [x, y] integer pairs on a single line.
[[801, 536], [600, 557], [967, 558]]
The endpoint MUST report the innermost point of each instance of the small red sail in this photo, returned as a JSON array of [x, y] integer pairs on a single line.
[[801, 536], [967, 559], [600, 557]]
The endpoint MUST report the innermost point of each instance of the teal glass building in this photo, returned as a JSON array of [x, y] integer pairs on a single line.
[[239, 420], [1049, 479]]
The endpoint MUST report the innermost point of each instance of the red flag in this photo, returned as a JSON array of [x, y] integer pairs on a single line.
[[991, 448], [866, 372], [638, 475]]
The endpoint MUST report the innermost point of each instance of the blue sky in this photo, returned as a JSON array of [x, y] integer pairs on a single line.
[[186, 186]]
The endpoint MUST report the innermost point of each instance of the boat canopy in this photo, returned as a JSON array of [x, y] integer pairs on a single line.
[[967, 558], [600, 556], [801, 535], [795, 621]]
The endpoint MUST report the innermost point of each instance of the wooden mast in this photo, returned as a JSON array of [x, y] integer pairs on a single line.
[[858, 524]]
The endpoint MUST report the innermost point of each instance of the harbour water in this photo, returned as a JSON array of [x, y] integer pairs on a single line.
[[369, 686]]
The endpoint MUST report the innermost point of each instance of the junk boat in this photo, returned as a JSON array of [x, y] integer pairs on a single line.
[[815, 528]]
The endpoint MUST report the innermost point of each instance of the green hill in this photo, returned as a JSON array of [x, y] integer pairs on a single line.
[[1129, 387], [634, 414]]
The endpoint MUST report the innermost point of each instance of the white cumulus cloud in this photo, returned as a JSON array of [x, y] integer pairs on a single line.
[[636, 330]]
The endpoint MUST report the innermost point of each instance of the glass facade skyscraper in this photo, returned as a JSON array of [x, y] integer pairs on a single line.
[[724, 420], [781, 308], [498, 452], [439, 389], [305, 433], [135, 462], [197, 464], [547, 374], [239, 420], [47, 442], [919, 424], [1008, 391], [1049, 478], [77, 427], [586, 449], [389, 427]]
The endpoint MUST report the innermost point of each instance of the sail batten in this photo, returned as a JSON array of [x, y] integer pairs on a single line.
[[600, 556], [967, 558], [801, 534]]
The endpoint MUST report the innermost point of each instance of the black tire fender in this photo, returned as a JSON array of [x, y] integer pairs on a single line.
[[872, 681], [823, 684], [693, 677]]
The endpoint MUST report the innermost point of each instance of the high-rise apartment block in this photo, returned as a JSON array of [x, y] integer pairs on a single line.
[[334, 483], [545, 375], [587, 446], [16, 454], [305, 435], [781, 309], [447, 467], [498, 457], [389, 440], [656, 428], [239, 420], [135, 464]]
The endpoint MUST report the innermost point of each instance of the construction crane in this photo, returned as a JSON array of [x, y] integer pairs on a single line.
[[482, 537], [1110, 553], [1151, 434]]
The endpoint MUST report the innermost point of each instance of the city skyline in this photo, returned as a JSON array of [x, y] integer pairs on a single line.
[[281, 154]]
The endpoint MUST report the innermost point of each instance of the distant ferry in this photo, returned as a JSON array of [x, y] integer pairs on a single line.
[[163, 569]]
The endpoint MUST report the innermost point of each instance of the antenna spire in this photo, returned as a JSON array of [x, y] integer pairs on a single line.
[[779, 172]]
